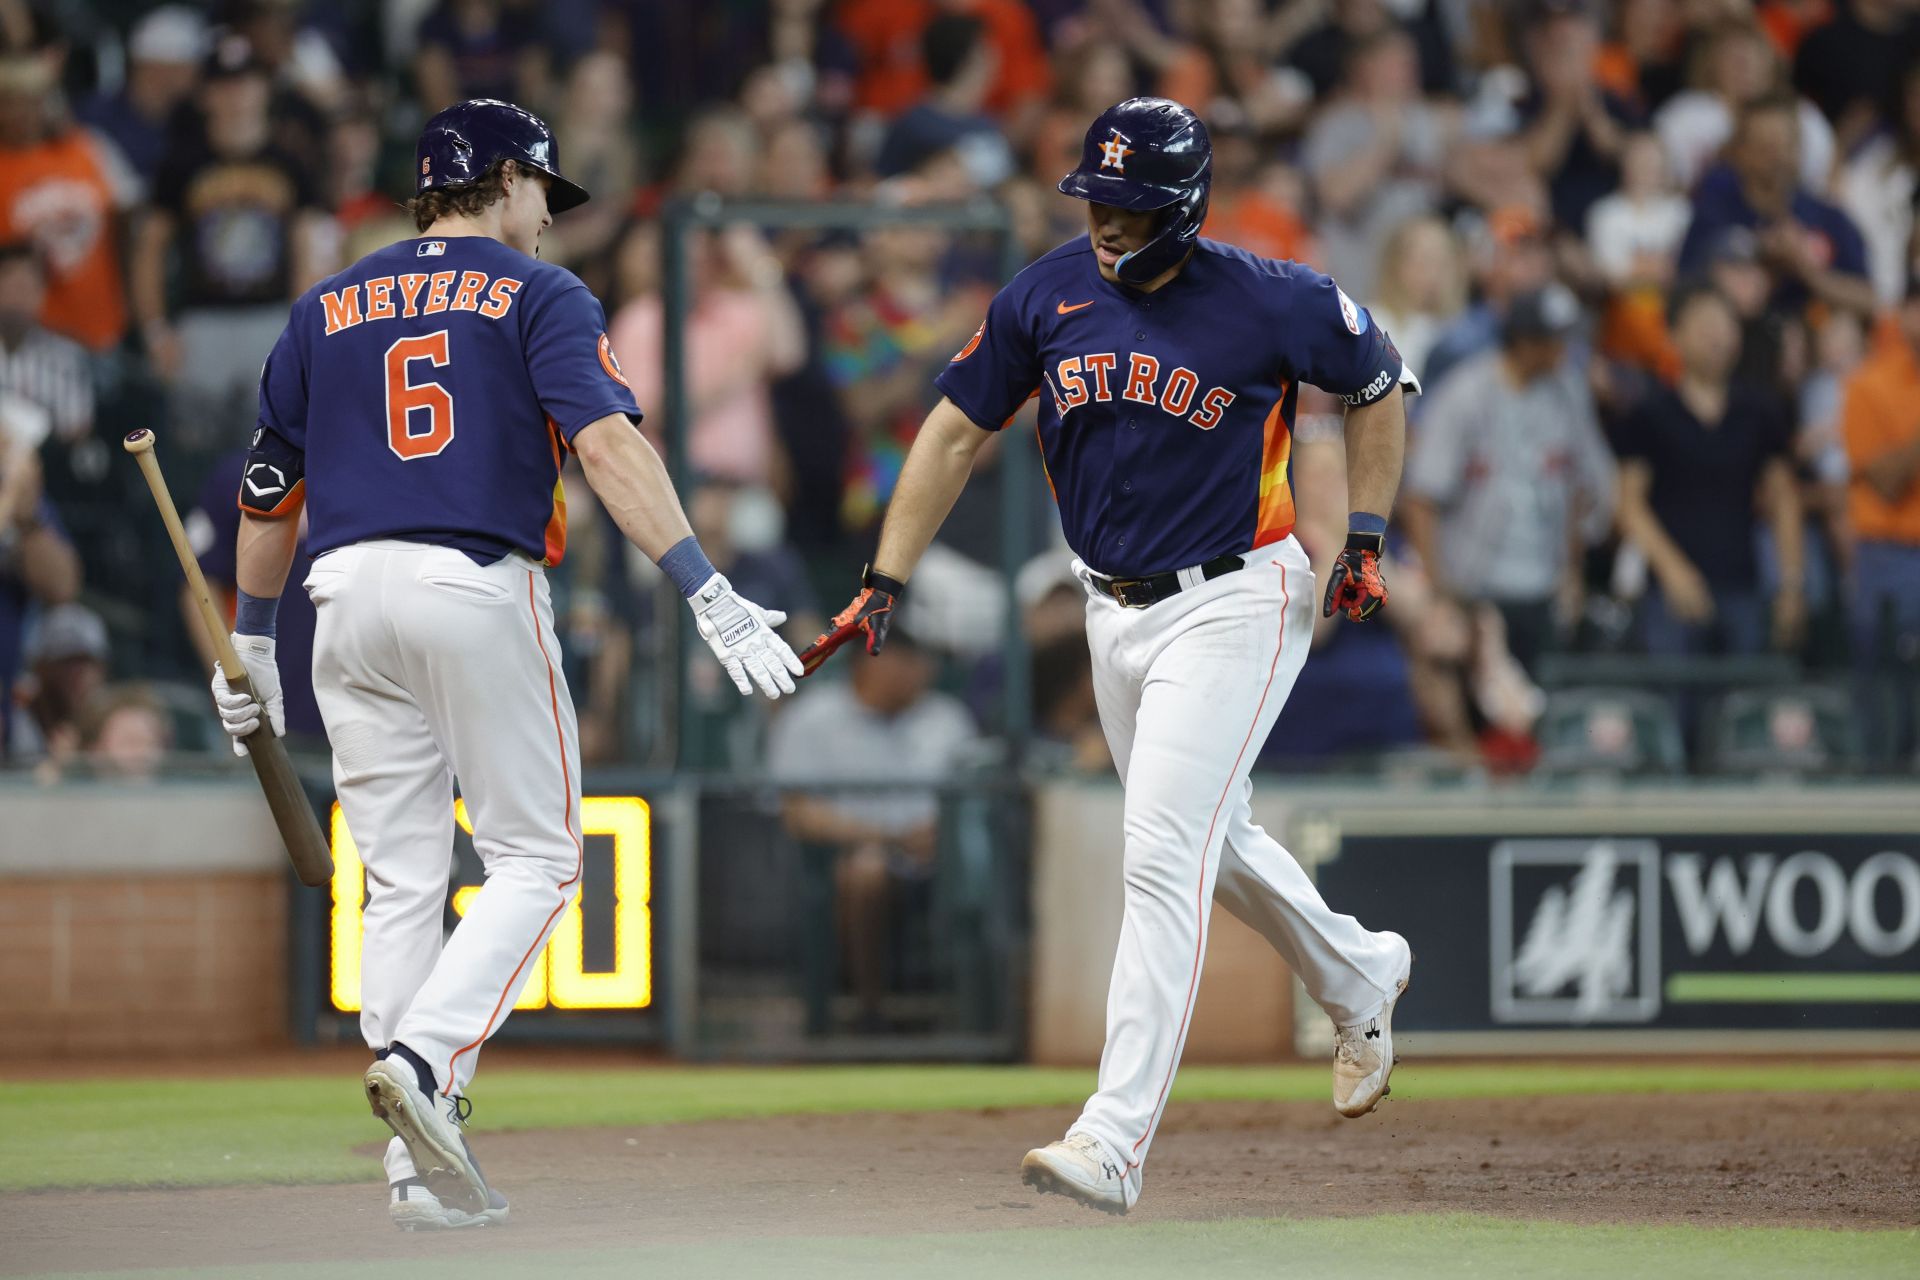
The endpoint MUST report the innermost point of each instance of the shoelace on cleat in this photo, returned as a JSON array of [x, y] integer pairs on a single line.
[[462, 1107], [1349, 1040]]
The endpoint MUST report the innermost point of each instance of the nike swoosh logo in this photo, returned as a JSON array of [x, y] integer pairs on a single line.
[[1064, 309]]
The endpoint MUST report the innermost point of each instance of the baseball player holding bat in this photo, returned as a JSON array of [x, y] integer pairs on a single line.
[[1167, 368], [420, 403]]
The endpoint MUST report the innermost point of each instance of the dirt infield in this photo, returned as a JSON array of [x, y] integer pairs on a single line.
[[1849, 1161]]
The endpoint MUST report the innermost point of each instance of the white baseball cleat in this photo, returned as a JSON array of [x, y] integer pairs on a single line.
[[414, 1208], [430, 1126], [1079, 1167], [1363, 1052]]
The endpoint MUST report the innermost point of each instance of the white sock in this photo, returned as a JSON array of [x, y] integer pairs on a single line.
[[398, 1160]]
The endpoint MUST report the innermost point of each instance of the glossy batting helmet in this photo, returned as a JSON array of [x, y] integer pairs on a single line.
[[461, 145], [1148, 153]]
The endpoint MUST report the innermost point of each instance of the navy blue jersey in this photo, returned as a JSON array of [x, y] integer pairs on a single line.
[[428, 392], [1166, 418]]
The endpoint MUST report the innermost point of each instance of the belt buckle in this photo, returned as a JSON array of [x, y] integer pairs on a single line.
[[1122, 592]]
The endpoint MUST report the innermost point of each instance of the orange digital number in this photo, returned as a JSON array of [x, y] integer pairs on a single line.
[[406, 398]]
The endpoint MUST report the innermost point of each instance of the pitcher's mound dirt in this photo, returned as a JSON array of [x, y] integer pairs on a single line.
[[1803, 1160]]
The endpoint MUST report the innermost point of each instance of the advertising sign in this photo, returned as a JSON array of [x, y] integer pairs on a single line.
[[1672, 931]]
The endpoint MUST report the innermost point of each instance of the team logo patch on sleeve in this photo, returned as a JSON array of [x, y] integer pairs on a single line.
[[1356, 319], [973, 343], [610, 362]]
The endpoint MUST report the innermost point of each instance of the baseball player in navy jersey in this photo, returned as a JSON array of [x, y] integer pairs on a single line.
[[420, 404], [1167, 368]]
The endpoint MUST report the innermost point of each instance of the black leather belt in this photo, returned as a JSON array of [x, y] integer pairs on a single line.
[[1138, 593]]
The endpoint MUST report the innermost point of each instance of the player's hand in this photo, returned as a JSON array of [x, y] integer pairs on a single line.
[[868, 615], [240, 712], [745, 639], [1355, 586]]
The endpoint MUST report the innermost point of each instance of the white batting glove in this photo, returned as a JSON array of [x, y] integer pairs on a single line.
[[240, 713], [743, 636]]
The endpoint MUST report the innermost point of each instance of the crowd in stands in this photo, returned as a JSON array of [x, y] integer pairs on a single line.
[[1653, 260]]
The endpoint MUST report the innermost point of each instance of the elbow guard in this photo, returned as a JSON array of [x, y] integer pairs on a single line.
[[274, 483]]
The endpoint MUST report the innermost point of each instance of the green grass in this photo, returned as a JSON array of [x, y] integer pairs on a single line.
[[1432, 1248], [301, 1128], [1793, 988]]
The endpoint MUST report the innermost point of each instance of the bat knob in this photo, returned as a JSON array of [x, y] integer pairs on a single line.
[[138, 441]]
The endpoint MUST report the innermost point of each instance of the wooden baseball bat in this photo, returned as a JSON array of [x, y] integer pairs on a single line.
[[312, 861]]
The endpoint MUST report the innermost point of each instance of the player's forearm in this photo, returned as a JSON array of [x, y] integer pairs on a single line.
[[935, 472], [1838, 289], [1376, 448], [264, 554], [631, 481]]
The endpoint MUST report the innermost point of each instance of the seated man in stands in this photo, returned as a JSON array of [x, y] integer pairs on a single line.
[[884, 726]]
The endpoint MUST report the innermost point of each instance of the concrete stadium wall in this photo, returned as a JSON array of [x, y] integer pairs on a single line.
[[147, 919]]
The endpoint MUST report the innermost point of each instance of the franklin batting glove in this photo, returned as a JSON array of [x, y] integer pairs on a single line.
[[240, 712], [1355, 586], [744, 637]]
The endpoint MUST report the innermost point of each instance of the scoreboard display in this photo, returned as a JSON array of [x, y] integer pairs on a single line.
[[601, 953]]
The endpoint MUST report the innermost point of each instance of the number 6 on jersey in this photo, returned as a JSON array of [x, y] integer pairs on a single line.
[[405, 398]]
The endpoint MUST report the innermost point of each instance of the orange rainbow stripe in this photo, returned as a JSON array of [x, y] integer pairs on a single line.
[[556, 537], [1275, 515]]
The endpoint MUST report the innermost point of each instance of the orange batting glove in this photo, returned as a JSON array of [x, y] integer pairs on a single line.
[[869, 615], [1355, 586]]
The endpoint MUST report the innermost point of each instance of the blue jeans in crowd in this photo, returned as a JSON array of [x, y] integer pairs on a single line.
[[1883, 616], [1740, 625]]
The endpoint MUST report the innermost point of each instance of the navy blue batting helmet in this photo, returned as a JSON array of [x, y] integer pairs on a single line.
[[461, 145], [1148, 153]]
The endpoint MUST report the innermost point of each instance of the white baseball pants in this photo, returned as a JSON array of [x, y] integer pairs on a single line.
[[1188, 690], [428, 667]]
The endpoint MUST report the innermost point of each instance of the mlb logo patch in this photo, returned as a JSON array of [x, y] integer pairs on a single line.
[[1355, 318], [431, 249]]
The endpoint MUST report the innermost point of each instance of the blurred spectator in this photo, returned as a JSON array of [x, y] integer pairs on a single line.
[[1881, 420], [480, 49], [1376, 157], [1093, 76], [1635, 232], [37, 563], [743, 330], [298, 57], [1641, 62], [61, 188], [353, 175], [882, 347], [598, 612], [1811, 248], [600, 155], [1226, 71], [884, 721], [1575, 128], [1324, 51], [1257, 200], [66, 662], [721, 153], [885, 36], [1511, 257], [1853, 65], [1880, 186], [1634, 235], [960, 69], [1697, 460], [242, 218], [1735, 68], [127, 735], [164, 54], [213, 531], [1508, 477], [41, 369], [1769, 338], [1421, 288]]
